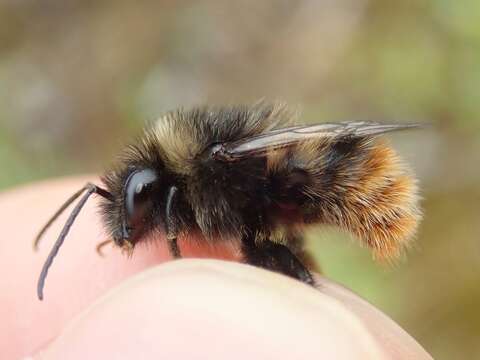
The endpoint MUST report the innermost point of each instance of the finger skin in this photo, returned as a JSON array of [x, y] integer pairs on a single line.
[[206, 309], [187, 309]]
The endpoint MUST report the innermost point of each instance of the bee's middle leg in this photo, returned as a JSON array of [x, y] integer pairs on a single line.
[[276, 257]]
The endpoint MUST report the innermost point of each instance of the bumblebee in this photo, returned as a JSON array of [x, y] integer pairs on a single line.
[[248, 174]]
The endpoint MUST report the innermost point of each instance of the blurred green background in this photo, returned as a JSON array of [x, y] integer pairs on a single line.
[[79, 78]]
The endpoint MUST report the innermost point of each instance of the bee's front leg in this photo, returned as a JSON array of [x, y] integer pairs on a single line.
[[171, 223], [275, 257]]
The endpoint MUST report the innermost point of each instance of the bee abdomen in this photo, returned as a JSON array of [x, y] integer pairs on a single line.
[[357, 184]]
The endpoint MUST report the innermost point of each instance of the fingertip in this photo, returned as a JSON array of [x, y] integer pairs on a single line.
[[214, 309]]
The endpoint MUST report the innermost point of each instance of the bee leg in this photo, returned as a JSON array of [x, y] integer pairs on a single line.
[[275, 257], [101, 245], [173, 247], [171, 223], [296, 243]]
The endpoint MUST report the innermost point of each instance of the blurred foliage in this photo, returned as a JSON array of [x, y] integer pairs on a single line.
[[78, 78]]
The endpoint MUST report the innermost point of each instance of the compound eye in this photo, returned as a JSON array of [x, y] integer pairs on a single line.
[[138, 194]]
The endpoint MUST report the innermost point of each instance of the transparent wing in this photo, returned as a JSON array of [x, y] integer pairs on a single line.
[[282, 138]]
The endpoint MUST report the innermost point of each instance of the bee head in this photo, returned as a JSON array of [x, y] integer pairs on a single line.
[[138, 186]]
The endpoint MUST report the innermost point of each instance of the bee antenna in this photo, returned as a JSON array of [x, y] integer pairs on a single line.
[[65, 205], [55, 216], [90, 189]]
